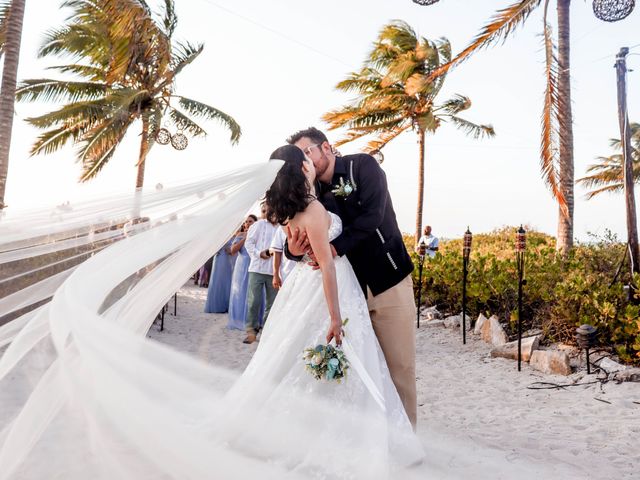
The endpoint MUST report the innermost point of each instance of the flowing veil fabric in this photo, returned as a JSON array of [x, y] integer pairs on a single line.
[[83, 392], [85, 395]]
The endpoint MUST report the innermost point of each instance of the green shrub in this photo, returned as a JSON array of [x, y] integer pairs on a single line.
[[561, 293]]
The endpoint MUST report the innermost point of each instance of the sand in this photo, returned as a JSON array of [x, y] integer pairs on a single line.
[[477, 418]]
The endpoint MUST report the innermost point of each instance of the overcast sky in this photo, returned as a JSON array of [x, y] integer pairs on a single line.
[[274, 65]]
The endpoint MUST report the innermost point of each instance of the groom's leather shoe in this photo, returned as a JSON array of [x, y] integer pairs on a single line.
[[251, 337]]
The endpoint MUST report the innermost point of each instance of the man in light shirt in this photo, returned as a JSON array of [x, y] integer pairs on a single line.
[[430, 241], [282, 266], [260, 277]]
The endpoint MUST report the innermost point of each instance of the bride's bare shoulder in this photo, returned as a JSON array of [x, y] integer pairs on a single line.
[[315, 213]]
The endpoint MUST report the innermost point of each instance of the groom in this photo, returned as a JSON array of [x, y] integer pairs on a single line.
[[355, 188]]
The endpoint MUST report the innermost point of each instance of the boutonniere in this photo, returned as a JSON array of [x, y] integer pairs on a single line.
[[344, 189]]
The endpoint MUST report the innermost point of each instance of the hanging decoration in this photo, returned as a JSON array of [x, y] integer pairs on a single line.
[[425, 2], [179, 141], [612, 10], [163, 136]]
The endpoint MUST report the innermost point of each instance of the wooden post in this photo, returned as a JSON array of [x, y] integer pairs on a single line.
[[625, 137]]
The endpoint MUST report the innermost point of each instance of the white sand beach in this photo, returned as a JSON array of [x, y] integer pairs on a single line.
[[475, 412]]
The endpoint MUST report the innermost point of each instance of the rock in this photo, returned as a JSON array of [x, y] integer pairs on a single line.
[[434, 323], [479, 323], [534, 332], [610, 366], [453, 321], [492, 332], [510, 350], [431, 313], [553, 362], [627, 375]]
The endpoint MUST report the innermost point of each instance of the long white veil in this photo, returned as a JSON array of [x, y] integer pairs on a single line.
[[83, 392]]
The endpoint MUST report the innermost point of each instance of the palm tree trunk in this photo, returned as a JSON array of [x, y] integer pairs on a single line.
[[565, 128], [144, 149], [420, 186], [8, 89]]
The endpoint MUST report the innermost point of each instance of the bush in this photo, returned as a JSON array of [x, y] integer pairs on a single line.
[[561, 293]]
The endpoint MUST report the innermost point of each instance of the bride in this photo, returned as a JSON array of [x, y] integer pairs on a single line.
[[83, 393], [309, 310]]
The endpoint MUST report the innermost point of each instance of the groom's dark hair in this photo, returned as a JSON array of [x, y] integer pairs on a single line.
[[312, 132]]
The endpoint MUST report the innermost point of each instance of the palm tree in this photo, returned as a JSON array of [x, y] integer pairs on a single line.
[[127, 66], [608, 174], [396, 94], [556, 152], [11, 18]]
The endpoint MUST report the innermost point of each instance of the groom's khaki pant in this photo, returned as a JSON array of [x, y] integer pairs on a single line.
[[392, 314]]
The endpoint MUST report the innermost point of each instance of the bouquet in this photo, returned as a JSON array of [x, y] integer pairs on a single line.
[[326, 361]]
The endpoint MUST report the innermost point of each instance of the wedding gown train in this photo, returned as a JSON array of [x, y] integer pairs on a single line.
[[299, 319]]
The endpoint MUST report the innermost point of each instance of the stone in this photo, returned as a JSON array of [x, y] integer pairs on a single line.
[[534, 332], [434, 323], [553, 362], [453, 321], [493, 333], [610, 366], [627, 375], [479, 323], [510, 350], [431, 313]]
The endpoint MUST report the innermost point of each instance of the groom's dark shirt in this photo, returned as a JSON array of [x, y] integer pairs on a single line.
[[370, 235]]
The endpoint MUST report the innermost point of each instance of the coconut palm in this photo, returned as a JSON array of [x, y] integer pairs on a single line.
[[125, 65], [608, 174], [556, 152], [396, 95], [11, 18]]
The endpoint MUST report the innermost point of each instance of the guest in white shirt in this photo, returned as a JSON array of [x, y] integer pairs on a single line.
[[430, 241], [260, 278], [282, 266]]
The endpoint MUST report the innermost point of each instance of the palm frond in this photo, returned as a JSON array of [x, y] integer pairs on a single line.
[[71, 113], [170, 19], [500, 26], [5, 6], [384, 138], [49, 90], [95, 74], [368, 80], [456, 104], [53, 140], [200, 110], [350, 137], [549, 140], [99, 144], [183, 122], [473, 129], [183, 55]]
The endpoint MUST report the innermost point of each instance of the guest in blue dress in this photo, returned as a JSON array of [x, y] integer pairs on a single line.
[[220, 281], [238, 297]]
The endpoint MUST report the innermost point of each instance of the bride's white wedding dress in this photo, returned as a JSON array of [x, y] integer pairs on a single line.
[[299, 319]]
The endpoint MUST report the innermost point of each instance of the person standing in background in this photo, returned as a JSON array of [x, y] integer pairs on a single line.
[[260, 280], [430, 241]]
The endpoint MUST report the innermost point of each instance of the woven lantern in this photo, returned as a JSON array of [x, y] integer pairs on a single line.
[[612, 10]]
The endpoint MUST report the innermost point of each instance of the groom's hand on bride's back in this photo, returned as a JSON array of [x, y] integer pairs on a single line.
[[297, 242]]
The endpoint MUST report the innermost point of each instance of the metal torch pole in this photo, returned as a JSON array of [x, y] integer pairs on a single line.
[[465, 261], [419, 299], [520, 281]]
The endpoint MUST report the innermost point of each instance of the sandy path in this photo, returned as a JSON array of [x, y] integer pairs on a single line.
[[476, 414]]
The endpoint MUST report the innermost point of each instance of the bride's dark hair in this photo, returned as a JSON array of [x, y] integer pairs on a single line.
[[289, 192]]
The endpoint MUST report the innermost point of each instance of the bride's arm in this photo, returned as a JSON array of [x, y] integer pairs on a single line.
[[316, 225]]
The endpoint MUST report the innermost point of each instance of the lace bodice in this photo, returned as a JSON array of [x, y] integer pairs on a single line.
[[335, 229]]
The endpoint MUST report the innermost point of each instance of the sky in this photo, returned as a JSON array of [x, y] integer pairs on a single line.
[[274, 65]]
